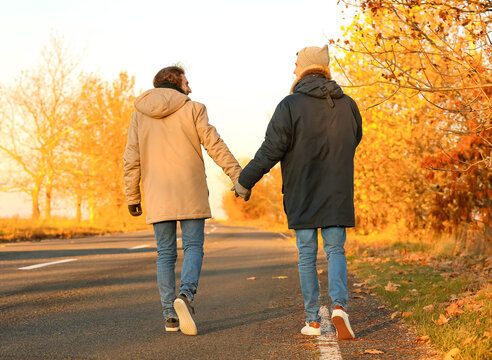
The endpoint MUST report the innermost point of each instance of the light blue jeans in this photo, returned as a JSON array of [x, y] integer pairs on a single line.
[[333, 244], [192, 233]]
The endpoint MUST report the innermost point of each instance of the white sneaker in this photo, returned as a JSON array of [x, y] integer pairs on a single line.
[[311, 329], [185, 314], [341, 321]]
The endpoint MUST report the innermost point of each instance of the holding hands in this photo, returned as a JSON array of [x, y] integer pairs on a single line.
[[241, 191]]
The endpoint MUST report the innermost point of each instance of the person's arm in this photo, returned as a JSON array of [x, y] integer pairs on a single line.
[[132, 167], [278, 140], [214, 145], [358, 120]]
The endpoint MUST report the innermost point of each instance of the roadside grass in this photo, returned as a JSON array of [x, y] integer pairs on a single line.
[[446, 297], [19, 229]]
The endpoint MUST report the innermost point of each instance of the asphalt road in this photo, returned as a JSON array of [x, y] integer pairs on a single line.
[[103, 302], [99, 300]]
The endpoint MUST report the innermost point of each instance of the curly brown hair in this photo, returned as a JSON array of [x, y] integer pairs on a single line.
[[171, 74]]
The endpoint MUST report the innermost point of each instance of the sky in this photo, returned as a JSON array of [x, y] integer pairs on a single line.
[[238, 56]]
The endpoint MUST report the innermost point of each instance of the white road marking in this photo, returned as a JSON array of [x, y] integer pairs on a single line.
[[139, 247], [327, 342], [45, 264], [212, 229]]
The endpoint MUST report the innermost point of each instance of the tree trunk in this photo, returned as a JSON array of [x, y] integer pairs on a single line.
[[47, 209], [79, 205], [35, 203]]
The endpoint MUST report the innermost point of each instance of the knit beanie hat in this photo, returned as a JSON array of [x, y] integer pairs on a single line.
[[314, 55]]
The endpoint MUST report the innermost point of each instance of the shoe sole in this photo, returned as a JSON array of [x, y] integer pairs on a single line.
[[303, 333], [186, 322], [172, 329], [343, 332]]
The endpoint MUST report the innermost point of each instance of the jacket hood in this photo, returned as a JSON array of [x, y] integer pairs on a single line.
[[158, 103], [319, 87]]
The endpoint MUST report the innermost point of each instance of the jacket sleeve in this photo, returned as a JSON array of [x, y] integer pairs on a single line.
[[358, 120], [278, 140], [214, 145], [132, 164]]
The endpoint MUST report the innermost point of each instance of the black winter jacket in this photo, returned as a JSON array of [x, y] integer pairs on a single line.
[[313, 133]]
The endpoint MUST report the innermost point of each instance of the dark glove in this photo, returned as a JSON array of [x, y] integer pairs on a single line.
[[241, 191], [135, 210]]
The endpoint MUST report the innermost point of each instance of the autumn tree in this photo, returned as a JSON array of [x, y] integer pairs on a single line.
[[37, 115], [422, 69]]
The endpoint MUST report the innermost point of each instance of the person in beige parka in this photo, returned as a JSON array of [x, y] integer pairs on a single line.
[[164, 154]]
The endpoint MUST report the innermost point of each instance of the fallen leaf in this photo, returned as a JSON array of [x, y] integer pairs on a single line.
[[453, 309], [358, 291], [451, 354], [487, 334], [382, 307], [251, 278], [423, 339], [358, 297], [374, 286], [279, 277], [473, 307], [407, 314], [405, 299], [414, 292], [442, 320], [406, 281], [373, 351], [469, 340], [429, 308], [358, 284], [391, 286], [395, 314], [478, 322], [320, 271]]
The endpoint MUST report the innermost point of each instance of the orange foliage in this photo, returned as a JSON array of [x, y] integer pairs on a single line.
[[265, 204]]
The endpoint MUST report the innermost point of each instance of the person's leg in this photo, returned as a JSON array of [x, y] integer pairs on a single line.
[[307, 244], [333, 242], [192, 233], [165, 234]]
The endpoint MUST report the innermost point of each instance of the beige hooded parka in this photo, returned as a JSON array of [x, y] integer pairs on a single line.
[[164, 153]]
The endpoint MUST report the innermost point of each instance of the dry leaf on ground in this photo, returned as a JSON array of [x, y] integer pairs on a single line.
[[279, 277], [391, 286], [407, 314], [373, 351], [395, 314], [423, 339], [382, 307], [429, 308], [320, 271], [451, 354], [442, 320], [470, 340], [251, 278], [453, 309]]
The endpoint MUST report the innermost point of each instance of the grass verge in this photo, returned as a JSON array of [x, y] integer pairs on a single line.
[[18, 229], [445, 296]]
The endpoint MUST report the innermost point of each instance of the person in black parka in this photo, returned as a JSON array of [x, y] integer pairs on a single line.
[[314, 133]]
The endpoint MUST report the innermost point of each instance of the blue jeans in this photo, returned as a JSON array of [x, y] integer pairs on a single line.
[[333, 244], [192, 233]]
